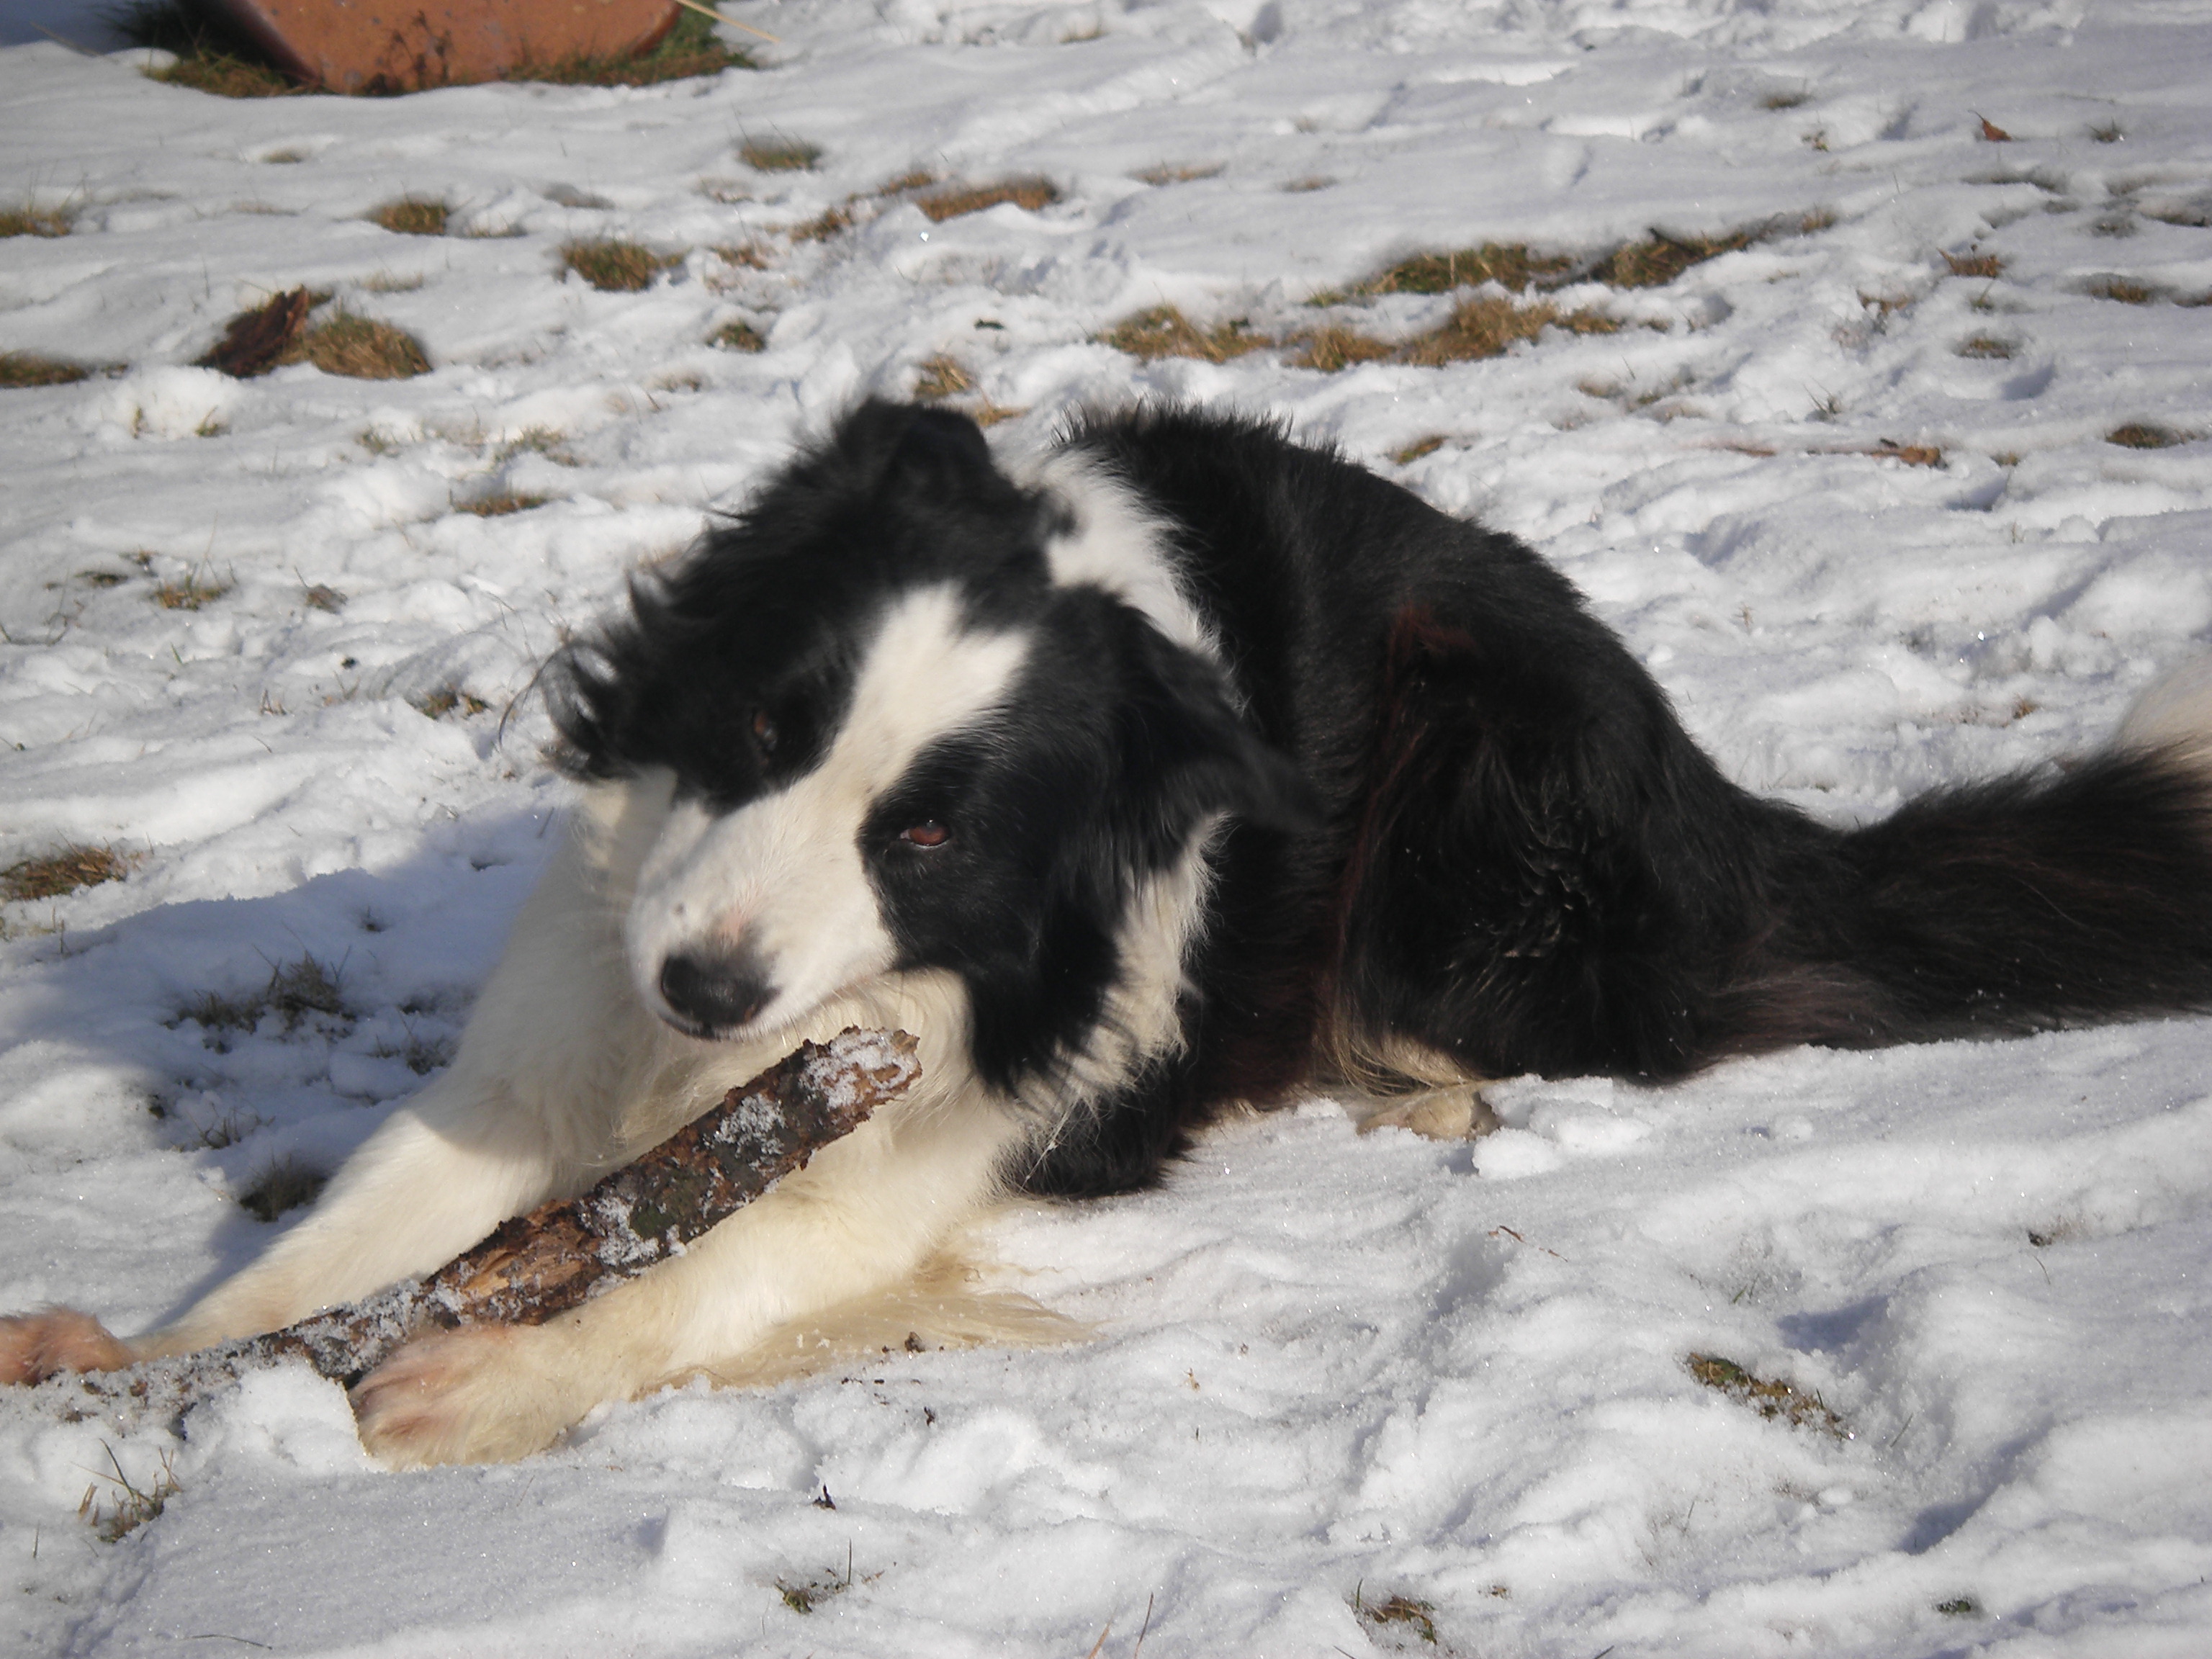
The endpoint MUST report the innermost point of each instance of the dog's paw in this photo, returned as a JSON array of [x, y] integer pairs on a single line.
[[1457, 1113], [467, 1396], [34, 1347]]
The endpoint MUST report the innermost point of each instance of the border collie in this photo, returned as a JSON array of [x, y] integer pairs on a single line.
[[1186, 767]]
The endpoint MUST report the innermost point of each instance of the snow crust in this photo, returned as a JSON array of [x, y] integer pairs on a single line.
[[1326, 1370]]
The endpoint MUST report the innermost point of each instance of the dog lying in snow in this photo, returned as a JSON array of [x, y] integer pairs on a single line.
[[1184, 768]]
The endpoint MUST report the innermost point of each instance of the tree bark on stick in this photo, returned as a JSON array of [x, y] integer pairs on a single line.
[[561, 1254]]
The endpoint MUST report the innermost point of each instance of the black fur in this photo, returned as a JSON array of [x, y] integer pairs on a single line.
[[1460, 811]]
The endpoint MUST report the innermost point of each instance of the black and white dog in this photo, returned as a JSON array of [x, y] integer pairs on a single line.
[[1186, 767]]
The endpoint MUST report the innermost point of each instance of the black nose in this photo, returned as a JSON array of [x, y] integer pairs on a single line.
[[712, 994]]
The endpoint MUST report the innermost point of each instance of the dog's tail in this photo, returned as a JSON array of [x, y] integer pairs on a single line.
[[2002, 908]]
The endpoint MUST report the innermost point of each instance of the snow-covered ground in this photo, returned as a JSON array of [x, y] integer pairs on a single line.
[[1327, 1370]]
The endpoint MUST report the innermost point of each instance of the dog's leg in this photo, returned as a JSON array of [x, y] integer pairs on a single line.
[[556, 1053], [864, 1214]]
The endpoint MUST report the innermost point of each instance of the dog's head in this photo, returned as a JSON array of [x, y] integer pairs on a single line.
[[899, 743]]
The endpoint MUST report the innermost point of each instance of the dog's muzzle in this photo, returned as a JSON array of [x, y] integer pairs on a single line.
[[712, 995]]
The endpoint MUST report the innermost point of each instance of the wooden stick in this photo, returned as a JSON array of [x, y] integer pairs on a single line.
[[563, 1253]]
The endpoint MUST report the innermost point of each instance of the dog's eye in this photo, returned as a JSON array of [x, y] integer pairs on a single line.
[[764, 731], [928, 833]]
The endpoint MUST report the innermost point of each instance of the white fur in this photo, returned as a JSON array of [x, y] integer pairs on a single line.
[[1117, 545], [2175, 714]]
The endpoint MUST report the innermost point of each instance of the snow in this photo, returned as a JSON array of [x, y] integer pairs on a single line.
[[1323, 1370]]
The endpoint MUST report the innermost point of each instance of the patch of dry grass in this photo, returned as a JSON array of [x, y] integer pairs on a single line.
[[296, 991], [749, 256], [361, 348], [1027, 193], [1420, 446], [190, 591], [1511, 265], [29, 221], [1487, 326], [738, 337], [450, 699], [941, 377], [614, 266], [779, 155], [308, 985], [2125, 289], [1172, 172], [499, 503], [2145, 434], [1334, 349], [1654, 262], [28, 368], [412, 215], [227, 75], [824, 225], [1164, 331], [1985, 345], [1974, 264], [1771, 1399], [284, 1185], [132, 1508], [1397, 1616], [1659, 260], [549, 442], [66, 870], [690, 49], [1911, 454]]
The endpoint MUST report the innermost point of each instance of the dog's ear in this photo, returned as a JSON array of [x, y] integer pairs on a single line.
[[911, 447], [1188, 752]]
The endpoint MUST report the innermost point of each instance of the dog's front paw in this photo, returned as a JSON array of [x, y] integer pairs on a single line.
[[1456, 1113], [34, 1347], [481, 1394]]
